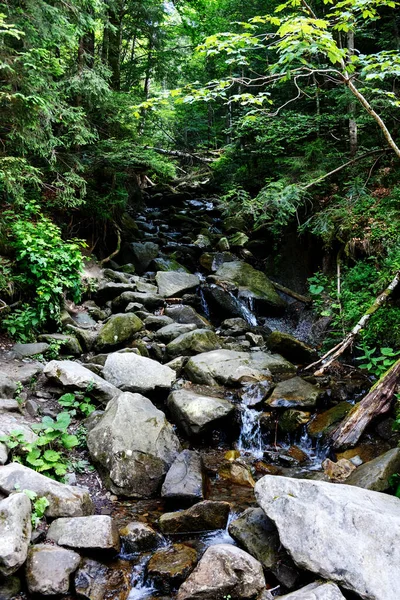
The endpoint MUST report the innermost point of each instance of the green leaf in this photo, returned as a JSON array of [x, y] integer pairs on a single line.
[[69, 441], [51, 456]]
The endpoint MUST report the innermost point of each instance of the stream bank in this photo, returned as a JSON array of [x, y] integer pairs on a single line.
[[194, 361]]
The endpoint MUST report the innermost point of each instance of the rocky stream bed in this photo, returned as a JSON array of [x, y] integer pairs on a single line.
[[213, 475]]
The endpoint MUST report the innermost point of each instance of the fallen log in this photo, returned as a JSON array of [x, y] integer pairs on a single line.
[[289, 292], [376, 403], [334, 353]]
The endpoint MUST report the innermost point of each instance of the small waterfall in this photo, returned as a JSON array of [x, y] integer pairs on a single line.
[[250, 439], [247, 314], [316, 450], [140, 589], [204, 303]]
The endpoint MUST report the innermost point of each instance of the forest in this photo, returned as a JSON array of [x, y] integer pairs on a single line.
[[199, 299]]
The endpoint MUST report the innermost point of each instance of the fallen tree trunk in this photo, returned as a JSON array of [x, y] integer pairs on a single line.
[[337, 350], [375, 403], [288, 292], [180, 154]]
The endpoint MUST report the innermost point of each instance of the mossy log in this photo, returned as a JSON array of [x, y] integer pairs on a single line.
[[376, 402], [338, 350]]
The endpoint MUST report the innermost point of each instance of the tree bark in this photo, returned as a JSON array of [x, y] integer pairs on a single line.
[[114, 45], [376, 402], [353, 139], [338, 350]]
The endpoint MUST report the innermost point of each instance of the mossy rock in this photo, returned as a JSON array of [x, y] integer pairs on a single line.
[[118, 330], [169, 264], [291, 348], [323, 422]]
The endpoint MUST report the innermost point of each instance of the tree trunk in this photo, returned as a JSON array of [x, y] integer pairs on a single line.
[[114, 46], [353, 139], [375, 403]]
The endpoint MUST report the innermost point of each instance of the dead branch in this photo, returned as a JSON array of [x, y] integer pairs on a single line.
[[179, 154], [335, 352], [116, 251], [376, 402], [288, 292]]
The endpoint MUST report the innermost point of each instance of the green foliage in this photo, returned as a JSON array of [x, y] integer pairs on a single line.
[[39, 506], [77, 402], [46, 454], [376, 361]]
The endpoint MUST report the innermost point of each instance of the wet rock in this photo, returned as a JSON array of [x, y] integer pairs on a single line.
[[109, 290], [75, 376], [172, 283], [291, 420], [182, 313], [316, 591], [169, 264], [203, 516], [196, 413], [134, 445], [340, 532], [257, 534], [291, 348], [140, 254], [97, 532], [49, 568], [69, 345], [338, 471], [235, 326], [298, 454], [294, 392], [227, 367], [64, 500], [184, 480], [10, 422], [252, 394], [98, 581], [375, 475], [156, 322], [133, 373], [251, 283], [15, 532], [118, 330], [322, 423], [211, 261], [169, 567], [171, 332], [194, 342], [139, 537], [8, 386], [148, 300], [224, 571], [223, 301], [237, 473], [28, 350]]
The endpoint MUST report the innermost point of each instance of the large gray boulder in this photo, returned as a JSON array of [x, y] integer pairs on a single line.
[[203, 516], [119, 329], [75, 376], [375, 475], [197, 414], [343, 533], [182, 313], [184, 481], [133, 373], [174, 330], [291, 348], [10, 422], [15, 532], [28, 350], [97, 532], [251, 283], [173, 283], [224, 571], [64, 500], [148, 299], [194, 342], [134, 445], [316, 591], [48, 569], [228, 367], [140, 254], [95, 580], [257, 534], [294, 393]]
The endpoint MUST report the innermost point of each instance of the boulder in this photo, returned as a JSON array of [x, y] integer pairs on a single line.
[[184, 480], [64, 500], [169, 264], [172, 283], [224, 571], [140, 254], [257, 534], [149, 300], [194, 342], [171, 332], [156, 322], [15, 532], [69, 343], [97, 532], [98, 581], [10, 422], [28, 350], [119, 329], [224, 302], [181, 313], [74, 376], [228, 367], [322, 423], [134, 445], [341, 532], [109, 290], [203, 516], [291, 420], [237, 473], [251, 283], [169, 567], [316, 591], [8, 386], [9, 405], [3, 453], [376, 474], [294, 393], [139, 537], [291, 348], [48, 569], [15, 371], [196, 413], [235, 327], [134, 373]]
